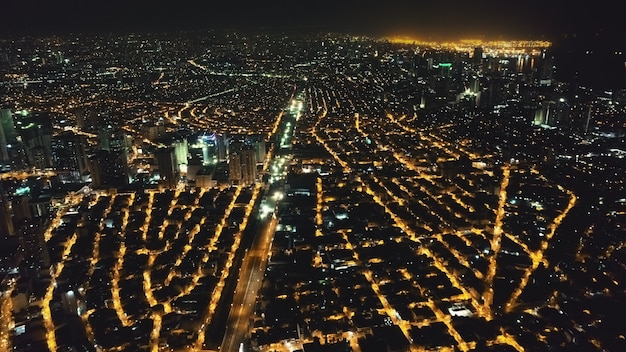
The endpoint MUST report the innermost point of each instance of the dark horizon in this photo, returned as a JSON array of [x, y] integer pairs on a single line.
[[447, 20]]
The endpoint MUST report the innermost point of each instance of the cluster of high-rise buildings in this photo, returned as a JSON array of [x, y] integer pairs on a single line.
[[41, 164], [406, 151]]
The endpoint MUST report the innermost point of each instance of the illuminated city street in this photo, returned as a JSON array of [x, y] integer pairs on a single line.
[[302, 191]]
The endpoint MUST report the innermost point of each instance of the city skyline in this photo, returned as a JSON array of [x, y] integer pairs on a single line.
[[173, 188]]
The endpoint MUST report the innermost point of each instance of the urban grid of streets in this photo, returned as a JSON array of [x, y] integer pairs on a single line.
[[255, 261], [320, 114]]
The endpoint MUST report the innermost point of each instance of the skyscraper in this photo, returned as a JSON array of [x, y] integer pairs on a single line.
[[8, 125], [242, 164], [39, 158], [208, 147], [7, 133], [113, 138], [36, 133], [477, 57], [546, 68], [259, 146], [109, 168], [248, 164], [221, 144], [234, 167], [70, 159], [181, 151], [166, 161], [6, 219]]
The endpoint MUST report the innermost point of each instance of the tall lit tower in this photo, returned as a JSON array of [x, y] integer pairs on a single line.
[[208, 145], [181, 151]]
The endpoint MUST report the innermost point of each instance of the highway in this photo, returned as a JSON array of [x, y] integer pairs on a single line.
[[248, 284], [255, 259]]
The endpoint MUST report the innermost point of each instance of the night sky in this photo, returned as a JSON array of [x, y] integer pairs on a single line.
[[530, 19]]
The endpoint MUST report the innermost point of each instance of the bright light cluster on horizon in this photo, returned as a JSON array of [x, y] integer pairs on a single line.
[[490, 47]]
